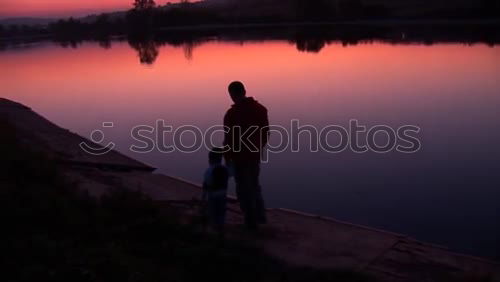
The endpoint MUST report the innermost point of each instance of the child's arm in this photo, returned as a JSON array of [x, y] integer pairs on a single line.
[[204, 194], [230, 169]]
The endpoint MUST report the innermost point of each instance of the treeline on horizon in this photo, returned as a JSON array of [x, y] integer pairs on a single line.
[[146, 16]]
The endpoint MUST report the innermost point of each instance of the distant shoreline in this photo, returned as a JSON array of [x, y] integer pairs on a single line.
[[341, 24], [338, 23]]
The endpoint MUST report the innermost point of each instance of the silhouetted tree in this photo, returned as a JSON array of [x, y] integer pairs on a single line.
[[140, 18], [376, 12], [310, 45], [315, 10], [142, 5], [105, 43], [490, 8], [147, 50], [351, 9], [102, 20], [68, 28], [103, 27], [14, 30]]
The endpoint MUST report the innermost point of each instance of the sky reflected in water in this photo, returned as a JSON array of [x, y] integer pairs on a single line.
[[446, 193]]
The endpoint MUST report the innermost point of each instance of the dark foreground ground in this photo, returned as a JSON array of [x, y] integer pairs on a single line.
[[69, 216], [52, 230]]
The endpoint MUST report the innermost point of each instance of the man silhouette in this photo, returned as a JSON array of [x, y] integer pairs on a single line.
[[247, 133]]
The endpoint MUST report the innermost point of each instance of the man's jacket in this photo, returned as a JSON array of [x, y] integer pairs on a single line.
[[248, 129]]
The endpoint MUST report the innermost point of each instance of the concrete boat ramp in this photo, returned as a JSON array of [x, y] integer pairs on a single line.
[[297, 238]]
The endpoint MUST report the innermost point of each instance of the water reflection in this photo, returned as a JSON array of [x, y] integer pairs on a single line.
[[310, 40], [313, 46], [147, 50], [305, 39], [449, 90], [105, 43]]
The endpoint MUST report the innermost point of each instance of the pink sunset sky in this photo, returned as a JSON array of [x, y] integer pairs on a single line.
[[62, 8]]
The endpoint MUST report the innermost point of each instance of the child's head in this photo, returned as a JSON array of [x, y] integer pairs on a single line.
[[215, 155]]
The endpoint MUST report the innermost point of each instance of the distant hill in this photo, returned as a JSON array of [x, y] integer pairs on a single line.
[[305, 10], [30, 21], [112, 16], [46, 21], [355, 9], [26, 21]]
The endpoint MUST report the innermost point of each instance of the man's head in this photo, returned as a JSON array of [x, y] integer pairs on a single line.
[[215, 155], [237, 91]]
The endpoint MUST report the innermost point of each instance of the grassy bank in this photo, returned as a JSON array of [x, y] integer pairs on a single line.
[[54, 232]]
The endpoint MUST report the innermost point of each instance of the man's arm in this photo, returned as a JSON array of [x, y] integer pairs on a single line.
[[264, 128], [228, 138]]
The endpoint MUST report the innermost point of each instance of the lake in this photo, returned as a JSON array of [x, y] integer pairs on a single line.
[[446, 193]]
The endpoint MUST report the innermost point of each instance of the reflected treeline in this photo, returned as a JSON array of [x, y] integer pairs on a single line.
[[306, 39], [312, 45], [314, 39], [147, 49], [149, 17]]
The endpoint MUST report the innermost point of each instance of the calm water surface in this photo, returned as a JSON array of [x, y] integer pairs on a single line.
[[446, 193]]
